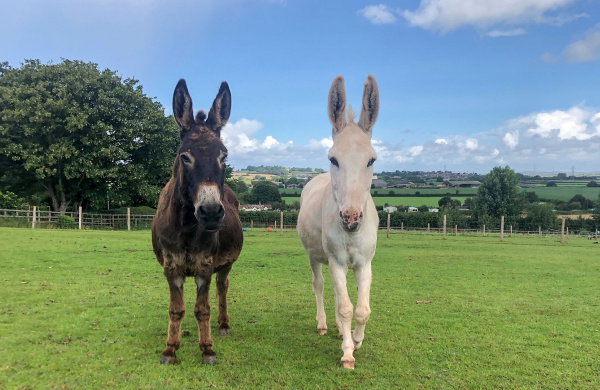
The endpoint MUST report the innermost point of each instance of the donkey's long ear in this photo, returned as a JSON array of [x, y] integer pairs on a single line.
[[182, 107], [370, 105], [336, 104], [220, 110]]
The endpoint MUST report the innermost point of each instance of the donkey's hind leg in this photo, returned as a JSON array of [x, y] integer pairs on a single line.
[[176, 314], [317, 282], [222, 287]]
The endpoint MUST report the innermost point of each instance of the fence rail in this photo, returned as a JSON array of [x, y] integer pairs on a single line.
[[46, 218]]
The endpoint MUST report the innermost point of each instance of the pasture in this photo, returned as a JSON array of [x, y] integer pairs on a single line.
[[88, 309]]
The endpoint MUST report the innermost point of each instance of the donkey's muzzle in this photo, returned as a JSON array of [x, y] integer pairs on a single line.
[[351, 219], [210, 216]]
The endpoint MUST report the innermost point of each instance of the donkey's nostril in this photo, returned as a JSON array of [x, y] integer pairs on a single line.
[[211, 211]]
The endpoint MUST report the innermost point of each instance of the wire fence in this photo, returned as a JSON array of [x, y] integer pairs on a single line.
[[46, 218]]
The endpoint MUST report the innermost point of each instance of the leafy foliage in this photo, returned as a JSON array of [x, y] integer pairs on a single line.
[[9, 200], [580, 202], [66, 222], [539, 215], [82, 135], [265, 192], [498, 195]]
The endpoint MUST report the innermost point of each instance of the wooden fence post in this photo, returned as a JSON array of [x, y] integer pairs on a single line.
[[484, 230], [251, 224], [456, 230], [428, 227], [444, 226], [502, 228], [540, 231], [401, 226], [562, 231], [128, 219], [388, 226], [80, 215], [281, 225], [511, 231], [33, 219]]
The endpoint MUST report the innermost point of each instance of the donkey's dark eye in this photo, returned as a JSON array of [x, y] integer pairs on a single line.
[[186, 159], [334, 161], [371, 162]]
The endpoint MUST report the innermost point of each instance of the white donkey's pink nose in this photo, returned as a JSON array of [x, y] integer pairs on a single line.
[[351, 218]]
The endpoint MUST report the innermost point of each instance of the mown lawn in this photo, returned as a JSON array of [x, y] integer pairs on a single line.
[[88, 309]]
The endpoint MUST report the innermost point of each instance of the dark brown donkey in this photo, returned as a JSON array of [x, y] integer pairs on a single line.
[[196, 231]]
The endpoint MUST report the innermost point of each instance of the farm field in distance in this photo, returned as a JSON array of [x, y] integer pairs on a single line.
[[88, 309], [562, 192]]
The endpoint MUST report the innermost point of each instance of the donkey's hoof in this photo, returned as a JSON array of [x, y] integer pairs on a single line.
[[322, 331], [349, 364], [224, 331], [164, 359], [211, 360]]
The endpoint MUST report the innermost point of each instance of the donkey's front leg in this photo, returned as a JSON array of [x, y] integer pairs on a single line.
[[176, 314], [202, 314], [363, 311], [343, 310], [222, 287]]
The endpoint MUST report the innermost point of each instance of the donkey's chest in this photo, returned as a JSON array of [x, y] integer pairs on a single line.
[[349, 249], [189, 263]]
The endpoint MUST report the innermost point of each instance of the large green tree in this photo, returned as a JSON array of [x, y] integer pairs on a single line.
[[265, 192], [82, 135], [498, 196]]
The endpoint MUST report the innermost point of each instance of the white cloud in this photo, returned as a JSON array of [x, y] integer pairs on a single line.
[[586, 49], [378, 14], [447, 15], [471, 144], [562, 124], [269, 142], [506, 33], [511, 139], [549, 139], [415, 150]]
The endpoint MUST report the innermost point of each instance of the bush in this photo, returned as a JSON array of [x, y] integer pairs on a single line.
[[66, 222], [10, 200]]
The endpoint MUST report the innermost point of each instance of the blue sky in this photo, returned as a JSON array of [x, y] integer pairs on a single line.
[[464, 84]]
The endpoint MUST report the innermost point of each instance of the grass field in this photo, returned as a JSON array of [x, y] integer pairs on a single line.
[[413, 201], [88, 310], [562, 192], [565, 192]]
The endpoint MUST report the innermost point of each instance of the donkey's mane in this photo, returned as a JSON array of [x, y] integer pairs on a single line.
[[200, 117]]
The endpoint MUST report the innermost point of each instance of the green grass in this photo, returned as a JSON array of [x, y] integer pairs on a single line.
[[88, 309], [565, 192], [413, 201]]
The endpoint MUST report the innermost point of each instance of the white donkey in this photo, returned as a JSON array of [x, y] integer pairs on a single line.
[[338, 221]]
